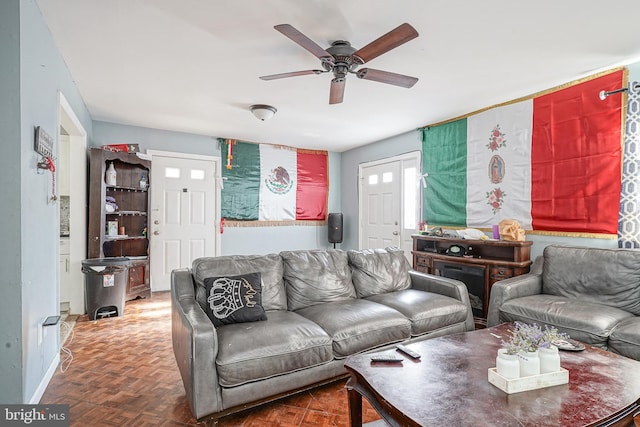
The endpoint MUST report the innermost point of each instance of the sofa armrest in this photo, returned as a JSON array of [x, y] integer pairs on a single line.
[[514, 287], [444, 286], [195, 346]]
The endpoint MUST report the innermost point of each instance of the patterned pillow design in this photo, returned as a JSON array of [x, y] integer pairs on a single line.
[[234, 299]]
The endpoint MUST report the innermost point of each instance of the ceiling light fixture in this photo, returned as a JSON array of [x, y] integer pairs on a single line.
[[263, 112]]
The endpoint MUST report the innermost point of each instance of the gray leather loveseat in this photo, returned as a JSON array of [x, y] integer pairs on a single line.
[[590, 293], [321, 306]]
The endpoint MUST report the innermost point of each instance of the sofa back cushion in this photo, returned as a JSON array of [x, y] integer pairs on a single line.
[[604, 276], [269, 266], [316, 276], [379, 271]]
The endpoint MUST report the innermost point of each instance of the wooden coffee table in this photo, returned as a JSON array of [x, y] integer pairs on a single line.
[[448, 386]]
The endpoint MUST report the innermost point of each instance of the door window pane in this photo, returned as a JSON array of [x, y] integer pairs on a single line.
[[197, 174], [387, 177], [410, 199], [373, 179], [171, 173]]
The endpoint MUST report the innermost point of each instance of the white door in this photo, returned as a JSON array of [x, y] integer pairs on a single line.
[[184, 213], [380, 212], [389, 202]]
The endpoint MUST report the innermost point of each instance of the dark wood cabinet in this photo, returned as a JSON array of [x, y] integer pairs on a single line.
[[129, 205], [479, 265]]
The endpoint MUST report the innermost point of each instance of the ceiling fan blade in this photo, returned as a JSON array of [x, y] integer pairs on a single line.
[[385, 43], [304, 41], [292, 74], [386, 77], [336, 95]]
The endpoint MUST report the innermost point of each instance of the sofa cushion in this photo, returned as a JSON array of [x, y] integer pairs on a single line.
[[605, 276], [315, 277], [426, 311], [376, 271], [625, 338], [356, 325], [583, 321], [234, 299], [284, 343], [269, 266]]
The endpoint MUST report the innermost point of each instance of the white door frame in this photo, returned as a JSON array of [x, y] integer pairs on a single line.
[[413, 155], [77, 202], [218, 180]]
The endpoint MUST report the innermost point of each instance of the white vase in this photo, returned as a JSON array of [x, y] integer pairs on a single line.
[[529, 363], [549, 359], [111, 174], [507, 365]]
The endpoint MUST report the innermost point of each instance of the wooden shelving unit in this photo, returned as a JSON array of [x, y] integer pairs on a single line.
[[132, 214]]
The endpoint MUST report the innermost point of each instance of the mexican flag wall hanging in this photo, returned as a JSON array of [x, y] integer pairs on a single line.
[[552, 162], [272, 183]]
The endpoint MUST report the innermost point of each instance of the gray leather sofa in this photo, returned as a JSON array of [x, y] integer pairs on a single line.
[[590, 293], [321, 307]]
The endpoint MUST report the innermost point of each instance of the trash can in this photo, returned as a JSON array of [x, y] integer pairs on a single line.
[[105, 286]]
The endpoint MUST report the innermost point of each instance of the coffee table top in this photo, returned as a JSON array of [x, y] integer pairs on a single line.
[[449, 386]]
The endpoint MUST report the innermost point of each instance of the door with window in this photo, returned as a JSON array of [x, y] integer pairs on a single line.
[[389, 202], [183, 215]]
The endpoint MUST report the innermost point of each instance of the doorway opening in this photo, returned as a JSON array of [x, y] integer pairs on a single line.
[[71, 175], [389, 202]]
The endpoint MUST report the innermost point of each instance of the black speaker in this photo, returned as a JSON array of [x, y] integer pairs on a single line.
[[335, 228]]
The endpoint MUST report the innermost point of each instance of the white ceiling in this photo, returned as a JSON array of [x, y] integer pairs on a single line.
[[193, 65]]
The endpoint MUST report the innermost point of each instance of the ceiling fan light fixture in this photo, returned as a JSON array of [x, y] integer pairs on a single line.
[[262, 112], [342, 58]]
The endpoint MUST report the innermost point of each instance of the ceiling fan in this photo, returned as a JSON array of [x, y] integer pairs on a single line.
[[341, 58]]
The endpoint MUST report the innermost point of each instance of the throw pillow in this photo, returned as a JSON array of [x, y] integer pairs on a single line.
[[234, 299]]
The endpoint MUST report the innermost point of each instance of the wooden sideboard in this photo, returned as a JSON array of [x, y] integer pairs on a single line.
[[482, 263]]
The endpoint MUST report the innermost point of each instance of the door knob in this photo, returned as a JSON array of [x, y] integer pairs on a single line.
[[395, 233], [156, 233], [156, 222]]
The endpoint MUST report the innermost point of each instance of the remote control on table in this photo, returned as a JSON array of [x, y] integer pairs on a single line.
[[388, 358], [408, 351]]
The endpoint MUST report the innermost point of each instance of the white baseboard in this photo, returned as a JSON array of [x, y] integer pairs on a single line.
[[37, 395]]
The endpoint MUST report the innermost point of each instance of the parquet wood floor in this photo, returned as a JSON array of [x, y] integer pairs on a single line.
[[124, 373]]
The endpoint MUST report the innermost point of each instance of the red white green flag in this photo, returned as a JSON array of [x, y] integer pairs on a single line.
[[551, 162], [274, 183]]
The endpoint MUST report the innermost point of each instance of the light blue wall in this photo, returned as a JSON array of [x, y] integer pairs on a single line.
[[235, 240], [10, 179], [634, 72], [105, 133], [33, 73]]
